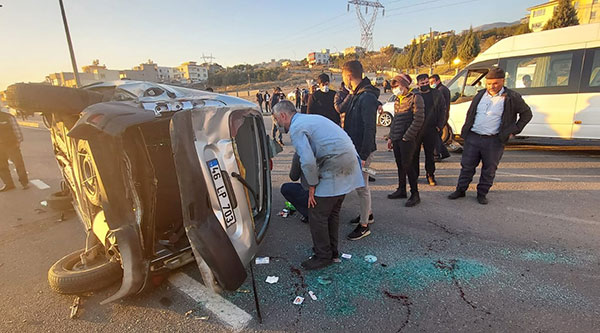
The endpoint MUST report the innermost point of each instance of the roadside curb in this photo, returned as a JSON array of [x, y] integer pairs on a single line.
[[28, 124]]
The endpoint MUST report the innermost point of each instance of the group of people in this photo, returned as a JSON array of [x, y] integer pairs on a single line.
[[332, 157]]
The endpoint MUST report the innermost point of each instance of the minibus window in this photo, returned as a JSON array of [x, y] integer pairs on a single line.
[[457, 86], [595, 72], [539, 71]]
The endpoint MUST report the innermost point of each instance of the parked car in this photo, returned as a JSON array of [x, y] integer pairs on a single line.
[[386, 116], [159, 176]]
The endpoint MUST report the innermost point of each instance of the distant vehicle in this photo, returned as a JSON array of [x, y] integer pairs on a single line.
[[387, 115], [292, 96], [160, 176], [557, 72]]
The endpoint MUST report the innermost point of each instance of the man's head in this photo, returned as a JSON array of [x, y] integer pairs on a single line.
[[423, 82], [494, 80], [283, 113], [434, 81], [400, 84], [527, 81], [352, 72], [323, 81]]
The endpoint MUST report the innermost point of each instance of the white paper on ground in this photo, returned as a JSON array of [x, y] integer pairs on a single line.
[[346, 256], [312, 295], [39, 184], [262, 260], [272, 279], [298, 300]]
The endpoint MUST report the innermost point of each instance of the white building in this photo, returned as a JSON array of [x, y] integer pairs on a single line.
[[169, 74], [318, 58], [192, 72]]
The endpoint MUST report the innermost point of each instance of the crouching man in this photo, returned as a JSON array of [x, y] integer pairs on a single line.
[[332, 169]]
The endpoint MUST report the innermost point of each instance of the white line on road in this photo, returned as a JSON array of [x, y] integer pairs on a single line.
[[39, 184], [224, 310], [554, 216], [527, 176]]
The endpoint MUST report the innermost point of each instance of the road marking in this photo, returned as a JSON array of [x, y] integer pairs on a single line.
[[39, 184], [28, 123], [527, 176], [554, 216], [224, 310]]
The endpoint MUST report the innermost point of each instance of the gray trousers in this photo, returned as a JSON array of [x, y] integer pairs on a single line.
[[324, 222]]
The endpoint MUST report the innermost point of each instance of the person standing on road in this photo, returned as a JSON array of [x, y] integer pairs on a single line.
[[267, 101], [259, 100], [491, 120], [10, 142], [331, 167], [321, 101], [297, 94], [441, 152], [435, 115], [274, 100], [409, 116], [359, 123], [304, 100], [342, 99]]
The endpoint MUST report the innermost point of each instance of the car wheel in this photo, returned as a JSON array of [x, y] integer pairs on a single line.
[[385, 119], [70, 276], [447, 134], [87, 172]]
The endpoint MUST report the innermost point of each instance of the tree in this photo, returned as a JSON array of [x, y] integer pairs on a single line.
[[565, 15], [417, 57], [488, 43], [469, 48], [449, 53], [432, 53]]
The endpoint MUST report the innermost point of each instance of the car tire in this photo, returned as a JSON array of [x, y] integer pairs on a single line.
[[36, 97], [447, 134], [385, 119], [67, 276]]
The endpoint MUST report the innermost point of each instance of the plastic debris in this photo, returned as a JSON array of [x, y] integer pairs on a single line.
[[189, 313], [346, 256], [370, 258], [262, 260], [75, 307], [324, 280], [312, 295], [201, 318], [369, 171], [272, 279], [298, 300], [243, 291], [337, 260], [289, 206], [44, 203], [284, 213]]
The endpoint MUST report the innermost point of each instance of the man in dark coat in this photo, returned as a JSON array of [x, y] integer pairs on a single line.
[[259, 100], [435, 117], [496, 114], [360, 124], [321, 101], [10, 142], [441, 152], [297, 94]]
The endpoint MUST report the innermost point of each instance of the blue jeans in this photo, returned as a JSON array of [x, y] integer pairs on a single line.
[[297, 196]]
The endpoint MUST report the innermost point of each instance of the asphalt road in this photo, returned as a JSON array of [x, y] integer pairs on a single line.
[[528, 261]]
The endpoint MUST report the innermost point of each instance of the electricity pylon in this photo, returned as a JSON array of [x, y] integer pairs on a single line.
[[367, 23]]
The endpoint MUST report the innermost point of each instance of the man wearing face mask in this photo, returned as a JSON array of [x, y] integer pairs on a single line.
[[408, 119], [321, 101], [441, 152], [331, 168], [435, 118]]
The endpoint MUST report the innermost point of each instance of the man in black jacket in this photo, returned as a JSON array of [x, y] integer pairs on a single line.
[[441, 152], [321, 101], [491, 121], [10, 141], [259, 100], [435, 117], [359, 123]]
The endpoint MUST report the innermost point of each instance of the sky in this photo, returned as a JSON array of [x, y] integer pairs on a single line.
[[123, 34]]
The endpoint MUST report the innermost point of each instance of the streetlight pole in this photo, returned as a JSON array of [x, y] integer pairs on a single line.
[[73, 62]]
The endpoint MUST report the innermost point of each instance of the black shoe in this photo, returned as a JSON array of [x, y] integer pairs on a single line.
[[431, 180], [356, 220], [414, 200], [399, 194], [371, 179], [443, 157], [456, 194], [482, 199], [316, 263], [5, 188], [359, 232], [304, 219]]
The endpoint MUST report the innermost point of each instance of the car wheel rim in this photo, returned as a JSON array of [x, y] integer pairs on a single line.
[[385, 120]]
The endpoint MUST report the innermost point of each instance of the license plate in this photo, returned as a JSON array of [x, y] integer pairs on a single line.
[[217, 177]]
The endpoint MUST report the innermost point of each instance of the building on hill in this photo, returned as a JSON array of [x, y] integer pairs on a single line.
[[588, 11], [318, 58], [422, 38], [354, 50], [144, 72], [192, 72]]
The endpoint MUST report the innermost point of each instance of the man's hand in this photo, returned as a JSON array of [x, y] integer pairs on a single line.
[[511, 136], [311, 197], [379, 109], [390, 145], [362, 163]]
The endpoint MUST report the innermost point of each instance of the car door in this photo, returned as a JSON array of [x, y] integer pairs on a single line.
[[586, 121]]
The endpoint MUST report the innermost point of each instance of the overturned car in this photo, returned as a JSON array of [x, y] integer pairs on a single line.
[[159, 176]]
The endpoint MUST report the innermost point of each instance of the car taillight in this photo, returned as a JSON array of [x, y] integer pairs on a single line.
[[271, 164]]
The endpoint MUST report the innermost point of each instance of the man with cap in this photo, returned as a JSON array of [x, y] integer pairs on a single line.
[[496, 114], [321, 101]]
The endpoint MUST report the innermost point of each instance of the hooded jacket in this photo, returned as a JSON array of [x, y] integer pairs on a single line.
[[409, 116], [361, 117]]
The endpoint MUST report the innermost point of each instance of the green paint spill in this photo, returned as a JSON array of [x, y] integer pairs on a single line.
[[548, 257]]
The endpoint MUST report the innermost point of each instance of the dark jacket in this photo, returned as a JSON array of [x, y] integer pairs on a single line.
[[513, 105], [10, 133], [259, 98], [296, 172], [361, 117], [322, 103], [275, 99], [435, 115], [446, 94], [409, 116], [342, 101]]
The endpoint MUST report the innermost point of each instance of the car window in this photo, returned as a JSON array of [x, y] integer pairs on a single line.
[[551, 70], [457, 86], [475, 82], [595, 72]]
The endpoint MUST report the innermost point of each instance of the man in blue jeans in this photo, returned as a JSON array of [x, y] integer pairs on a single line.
[[297, 193]]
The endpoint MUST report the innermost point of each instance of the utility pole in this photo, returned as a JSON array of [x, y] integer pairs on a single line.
[[73, 62], [367, 23]]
